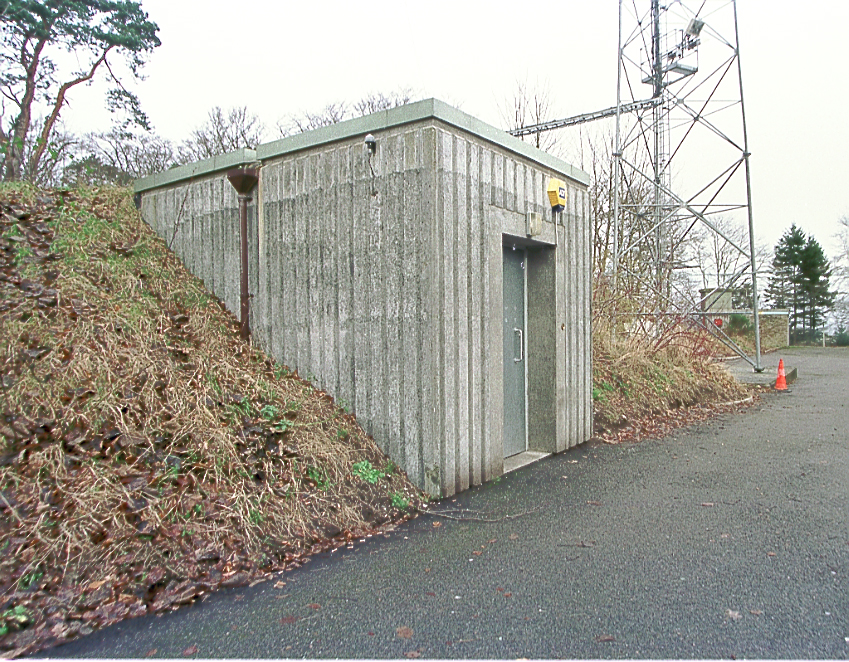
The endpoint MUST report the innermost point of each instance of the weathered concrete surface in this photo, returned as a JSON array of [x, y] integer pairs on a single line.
[[378, 278], [726, 539]]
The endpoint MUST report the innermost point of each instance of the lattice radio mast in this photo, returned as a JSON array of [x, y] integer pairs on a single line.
[[698, 120], [681, 160]]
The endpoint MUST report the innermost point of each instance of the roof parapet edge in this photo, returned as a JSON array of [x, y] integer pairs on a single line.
[[234, 159], [385, 119], [413, 112]]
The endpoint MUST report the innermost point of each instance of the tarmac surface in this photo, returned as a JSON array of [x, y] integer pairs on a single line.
[[727, 539], [745, 373]]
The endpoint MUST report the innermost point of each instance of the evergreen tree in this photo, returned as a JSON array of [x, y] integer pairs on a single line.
[[800, 280], [781, 288], [816, 271]]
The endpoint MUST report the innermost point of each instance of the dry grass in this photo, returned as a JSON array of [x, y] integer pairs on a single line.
[[148, 454], [773, 336], [639, 380]]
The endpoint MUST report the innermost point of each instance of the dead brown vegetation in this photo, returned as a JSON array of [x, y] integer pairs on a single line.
[[645, 383], [148, 455]]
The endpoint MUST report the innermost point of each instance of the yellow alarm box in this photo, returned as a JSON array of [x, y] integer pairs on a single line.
[[557, 194]]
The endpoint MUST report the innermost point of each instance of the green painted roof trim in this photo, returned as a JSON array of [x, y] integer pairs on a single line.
[[415, 112], [386, 119], [236, 159]]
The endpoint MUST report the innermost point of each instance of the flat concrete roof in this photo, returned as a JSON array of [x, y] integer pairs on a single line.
[[386, 119], [415, 112]]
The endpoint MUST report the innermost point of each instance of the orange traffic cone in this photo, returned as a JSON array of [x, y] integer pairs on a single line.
[[781, 382]]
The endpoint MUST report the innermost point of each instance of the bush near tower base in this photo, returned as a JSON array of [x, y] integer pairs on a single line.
[[640, 392]]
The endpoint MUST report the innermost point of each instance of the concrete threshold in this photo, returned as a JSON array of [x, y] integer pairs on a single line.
[[522, 459]]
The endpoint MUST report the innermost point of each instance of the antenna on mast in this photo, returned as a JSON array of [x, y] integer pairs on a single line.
[[696, 130], [692, 125]]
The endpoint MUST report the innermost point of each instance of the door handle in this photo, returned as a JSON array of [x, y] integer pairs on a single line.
[[521, 346]]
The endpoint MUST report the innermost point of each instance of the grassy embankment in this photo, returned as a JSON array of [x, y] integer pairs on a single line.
[[149, 456], [638, 391]]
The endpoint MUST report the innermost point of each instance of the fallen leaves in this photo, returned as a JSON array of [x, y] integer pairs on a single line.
[[288, 620], [404, 632], [194, 429], [191, 650], [602, 638]]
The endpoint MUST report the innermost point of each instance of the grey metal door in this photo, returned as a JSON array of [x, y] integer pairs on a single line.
[[515, 429]]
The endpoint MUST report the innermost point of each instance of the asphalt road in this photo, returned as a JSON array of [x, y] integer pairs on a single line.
[[726, 539]]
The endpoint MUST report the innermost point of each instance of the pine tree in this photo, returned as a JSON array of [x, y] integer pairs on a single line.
[[34, 35], [816, 272], [800, 280], [781, 290]]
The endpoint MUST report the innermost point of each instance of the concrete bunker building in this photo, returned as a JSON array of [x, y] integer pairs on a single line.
[[425, 283]]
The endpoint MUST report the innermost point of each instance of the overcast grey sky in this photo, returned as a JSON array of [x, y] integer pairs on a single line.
[[281, 57]]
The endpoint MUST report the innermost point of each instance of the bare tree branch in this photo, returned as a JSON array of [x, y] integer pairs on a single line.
[[57, 107]]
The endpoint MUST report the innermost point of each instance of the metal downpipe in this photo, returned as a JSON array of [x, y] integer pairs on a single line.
[[244, 180]]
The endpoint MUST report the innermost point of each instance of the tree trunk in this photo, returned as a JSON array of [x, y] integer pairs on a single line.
[[35, 159], [21, 126]]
